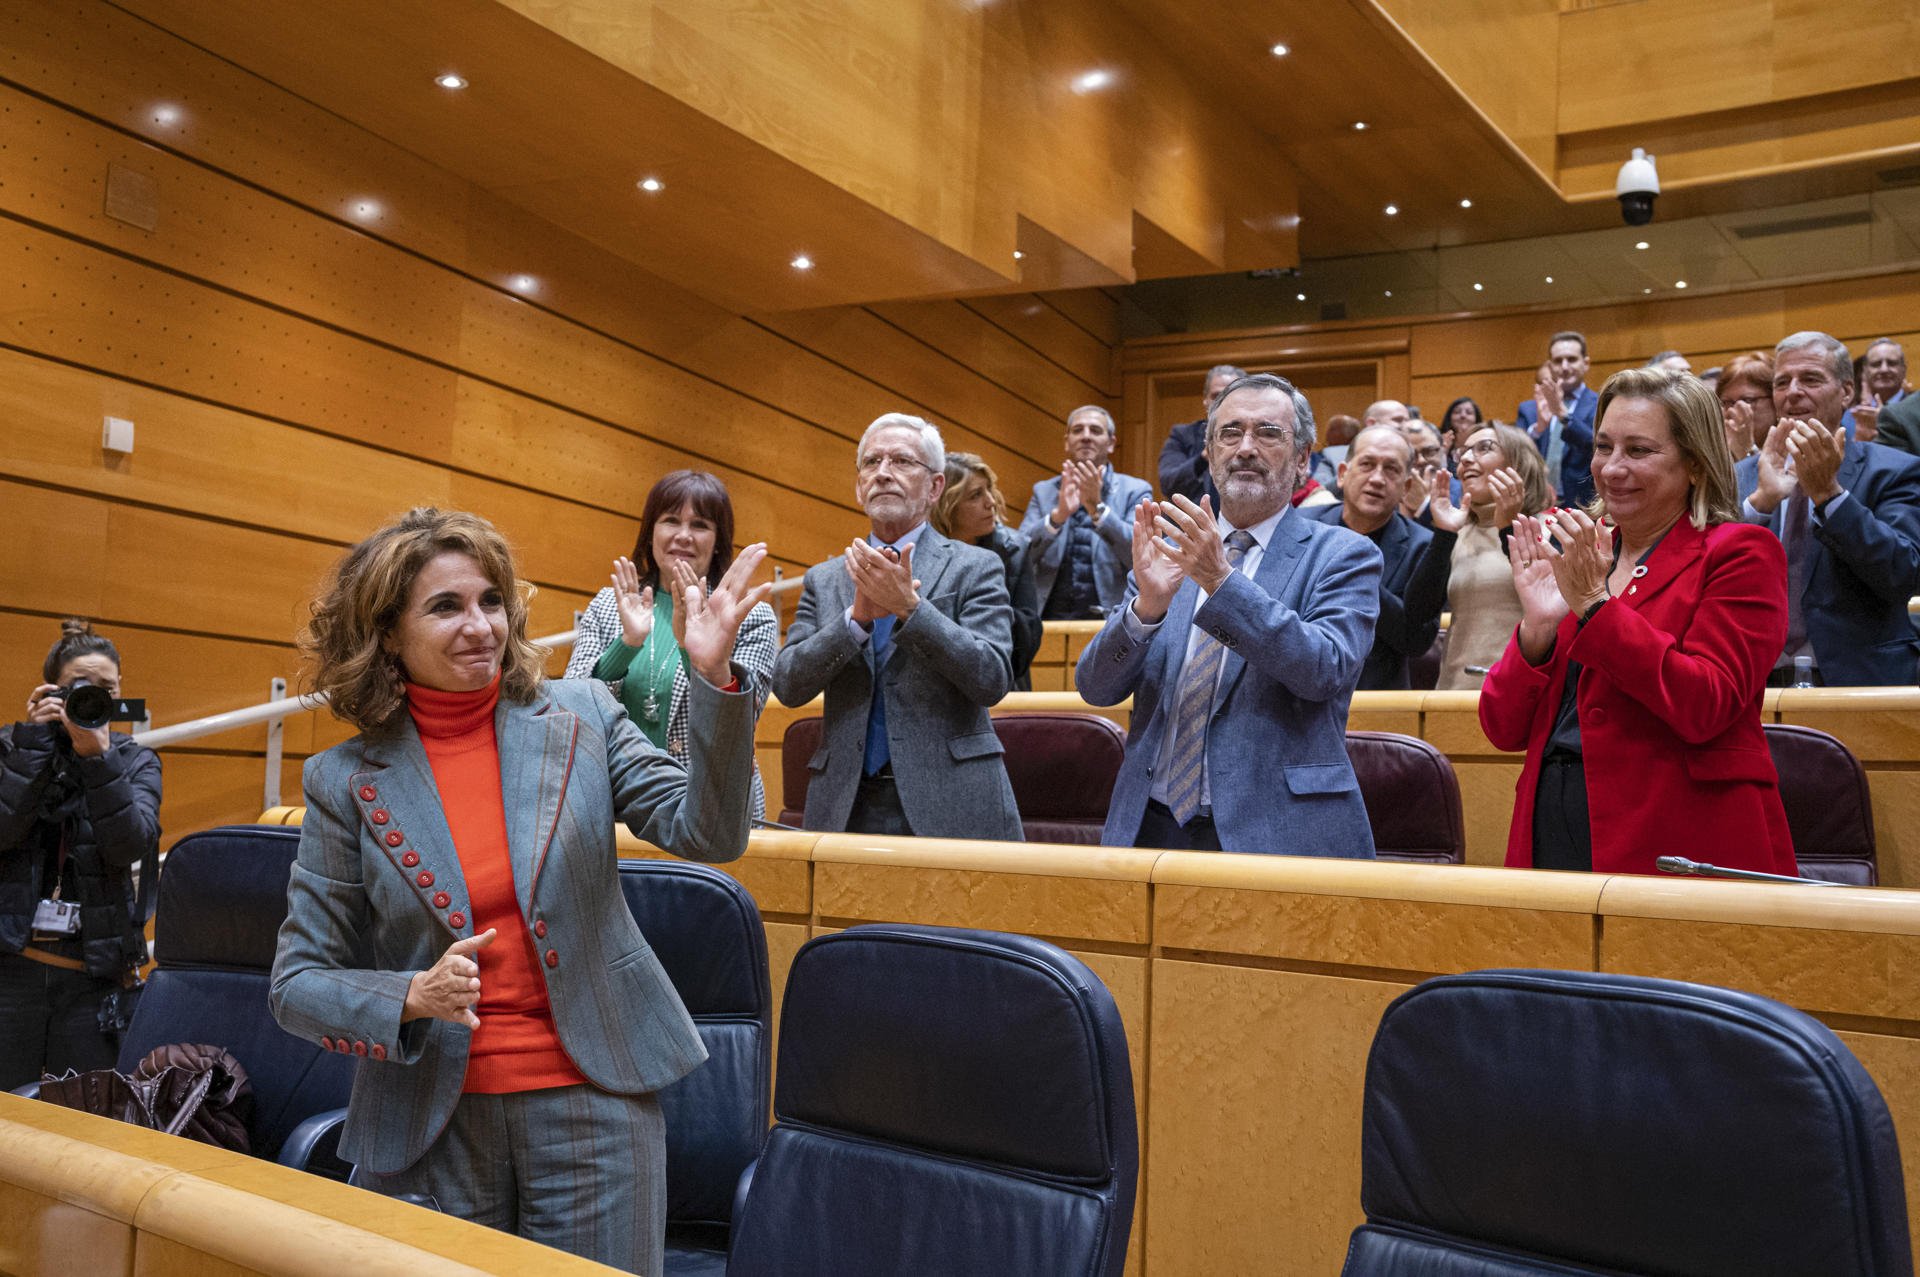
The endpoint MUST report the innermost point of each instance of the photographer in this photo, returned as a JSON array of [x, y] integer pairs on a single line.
[[79, 809]]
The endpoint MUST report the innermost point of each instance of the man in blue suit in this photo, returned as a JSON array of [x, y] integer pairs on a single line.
[[1079, 526], [1559, 418], [1413, 580], [1240, 640], [1849, 516]]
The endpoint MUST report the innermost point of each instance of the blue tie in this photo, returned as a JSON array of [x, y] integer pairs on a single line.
[[878, 755]]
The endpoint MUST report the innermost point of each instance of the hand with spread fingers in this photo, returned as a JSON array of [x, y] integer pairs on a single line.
[[1774, 479], [1446, 516], [708, 622], [1197, 545], [1816, 453], [1866, 418], [1069, 495], [1086, 477], [884, 580], [1542, 606], [1584, 560], [1156, 576], [1737, 419], [635, 603], [1509, 495], [450, 988]]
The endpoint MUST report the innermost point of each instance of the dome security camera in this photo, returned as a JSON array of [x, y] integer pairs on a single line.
[[1637, 187]]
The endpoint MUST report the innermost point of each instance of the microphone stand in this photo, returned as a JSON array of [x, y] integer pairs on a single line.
[[1700, 869]]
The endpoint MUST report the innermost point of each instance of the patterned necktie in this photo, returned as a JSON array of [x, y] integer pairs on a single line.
[[1795, 533], [1193, 706], [1556, 453]]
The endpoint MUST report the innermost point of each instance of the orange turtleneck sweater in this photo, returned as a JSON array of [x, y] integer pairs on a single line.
[[516, 1047]]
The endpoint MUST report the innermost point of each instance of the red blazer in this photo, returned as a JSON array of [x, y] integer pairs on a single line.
[[1675, 669]]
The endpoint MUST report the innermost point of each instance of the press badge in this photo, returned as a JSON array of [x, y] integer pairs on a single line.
[[56, 917]]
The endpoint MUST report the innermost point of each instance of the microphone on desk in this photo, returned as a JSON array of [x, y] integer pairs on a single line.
[[774, 824], [1700, 869]]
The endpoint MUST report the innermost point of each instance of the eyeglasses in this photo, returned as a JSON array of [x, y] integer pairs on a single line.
[[874, 462], [1265, 436], [1484, 448], [1749, 400]]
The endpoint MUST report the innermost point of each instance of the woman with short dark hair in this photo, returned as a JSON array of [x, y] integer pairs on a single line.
[[629, 637]]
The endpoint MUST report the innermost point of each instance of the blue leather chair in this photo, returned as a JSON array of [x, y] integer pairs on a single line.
[[948, 1102], [222, 898], [1568, 1122], [705, 929]]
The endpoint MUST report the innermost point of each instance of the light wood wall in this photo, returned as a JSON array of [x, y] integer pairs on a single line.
[[296, 378], [1493, 356]]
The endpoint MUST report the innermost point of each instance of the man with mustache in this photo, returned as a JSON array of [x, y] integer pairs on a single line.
[[1240, 640], [910, 635], [1079, 527], [1416, 561]]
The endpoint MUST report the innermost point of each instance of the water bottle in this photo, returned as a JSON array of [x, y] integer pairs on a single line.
[[1803, 671]]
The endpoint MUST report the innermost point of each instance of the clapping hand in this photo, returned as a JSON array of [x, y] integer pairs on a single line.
[[636, 604], [1548, 403], [1069, 495], [883, 582], [450, 989], [1198, 548], [1086, 482], [1542, 606], [1583, 560], [1816, 453], [1774, 479], [1509, 494], [1446, 516], [1156, 576], [708, 622], [1738, 422], [1866, 418]]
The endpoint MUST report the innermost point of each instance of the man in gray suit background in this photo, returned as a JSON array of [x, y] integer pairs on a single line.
[[1079, 526], [1240, 642], [910, 635]]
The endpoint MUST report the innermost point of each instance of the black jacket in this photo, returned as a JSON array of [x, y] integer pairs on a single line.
[[109, 808], [1012, 549]]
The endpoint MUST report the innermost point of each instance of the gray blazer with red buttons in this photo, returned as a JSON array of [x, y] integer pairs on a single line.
[[377, 895]]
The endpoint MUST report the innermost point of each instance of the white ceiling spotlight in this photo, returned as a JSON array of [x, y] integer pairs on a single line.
[[1281, 50], [1092, 81], [1466, 203], [651, 185], [1393, 210], [525, 285], [802, 262], [451, 81]]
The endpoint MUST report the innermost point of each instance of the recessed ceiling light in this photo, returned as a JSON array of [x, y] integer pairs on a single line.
[[1466, 203], [1549, 279], [802, 262], [1477, 288], [366, 210], [1389, 292], [1679, 283], [1090, 81], [1299, 297], [1359, 126], [166, 113], [1393, 210], [1281, 50], [451, 81], [524, 284], [1646, 290], [1017, 254], [1642, 244], [651, 185]]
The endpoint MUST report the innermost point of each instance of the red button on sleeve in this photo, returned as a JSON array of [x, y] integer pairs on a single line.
[[368, 793], [395, 838], [359, 1048], [326, 1044], [426, 878], [441, 900], [380, 816], [553, 957], [411, 859], [456, 920], [377, 1051], [540, 928]]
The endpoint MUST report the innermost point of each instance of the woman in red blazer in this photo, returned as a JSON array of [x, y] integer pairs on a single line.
[[1669, 613]]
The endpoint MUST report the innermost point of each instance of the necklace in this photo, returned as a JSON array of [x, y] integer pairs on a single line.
[[649, 699]]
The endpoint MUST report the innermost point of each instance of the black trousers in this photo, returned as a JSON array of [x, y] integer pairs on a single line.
[[1562, 834], [1158, 829], [50, 1021], [877, 809]]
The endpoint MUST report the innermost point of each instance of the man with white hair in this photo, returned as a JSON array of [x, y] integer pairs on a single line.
[[1849, 516], [1886, 413], [910, 636]]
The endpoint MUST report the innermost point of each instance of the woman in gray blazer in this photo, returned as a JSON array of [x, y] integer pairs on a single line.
[[454, 916], [629, 637]]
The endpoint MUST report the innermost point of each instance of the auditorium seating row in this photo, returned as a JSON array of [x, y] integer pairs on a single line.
[[1063, 768]]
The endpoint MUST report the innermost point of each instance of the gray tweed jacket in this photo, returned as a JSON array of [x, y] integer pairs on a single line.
[[377, 888]]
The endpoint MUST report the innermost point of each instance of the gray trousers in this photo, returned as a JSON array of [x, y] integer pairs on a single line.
[[572, 1167]]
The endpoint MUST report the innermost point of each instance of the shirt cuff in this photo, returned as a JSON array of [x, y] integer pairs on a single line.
[[1138, 630], [858, 632], [1820, 516], [1748, 514]]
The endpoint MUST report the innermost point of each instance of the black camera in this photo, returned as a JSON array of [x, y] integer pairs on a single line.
[[93, 707]]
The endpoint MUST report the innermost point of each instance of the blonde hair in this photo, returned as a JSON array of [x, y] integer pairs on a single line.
[[1518, 454], [345, 637], [962, 466], [1693, 415]]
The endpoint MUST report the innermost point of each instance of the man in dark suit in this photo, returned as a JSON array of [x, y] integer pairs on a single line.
[[910, 636], [1183, 459], [1559, 417], [1413, 580], [1849, 516], [1240, 642]]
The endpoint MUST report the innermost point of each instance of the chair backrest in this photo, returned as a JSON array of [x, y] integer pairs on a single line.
[[222, 898], [1829, 808], [1565, 1122], [705, 929], [1062, 766], [948, 1102], [1412, 798]]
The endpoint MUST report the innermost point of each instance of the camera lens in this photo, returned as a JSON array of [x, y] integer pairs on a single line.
[[89, 706]]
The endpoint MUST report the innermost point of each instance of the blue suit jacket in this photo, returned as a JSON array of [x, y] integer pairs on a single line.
[[1866, 565], [1574, 483], [1409, 619], [1112, 537], [1296, 635], [377, 893]]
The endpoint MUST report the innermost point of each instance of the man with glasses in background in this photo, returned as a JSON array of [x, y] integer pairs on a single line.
[[1240, 642], [910, 636]]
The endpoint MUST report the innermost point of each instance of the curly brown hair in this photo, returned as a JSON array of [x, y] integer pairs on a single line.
[[345, 639]]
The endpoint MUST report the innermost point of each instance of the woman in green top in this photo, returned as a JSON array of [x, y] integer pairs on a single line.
[[630, 637]]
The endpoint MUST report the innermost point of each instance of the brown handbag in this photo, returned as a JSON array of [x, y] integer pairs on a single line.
[[191, 1090]]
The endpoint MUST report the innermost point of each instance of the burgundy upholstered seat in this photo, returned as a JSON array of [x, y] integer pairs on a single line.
[[1829, 809], [1412, 797]]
